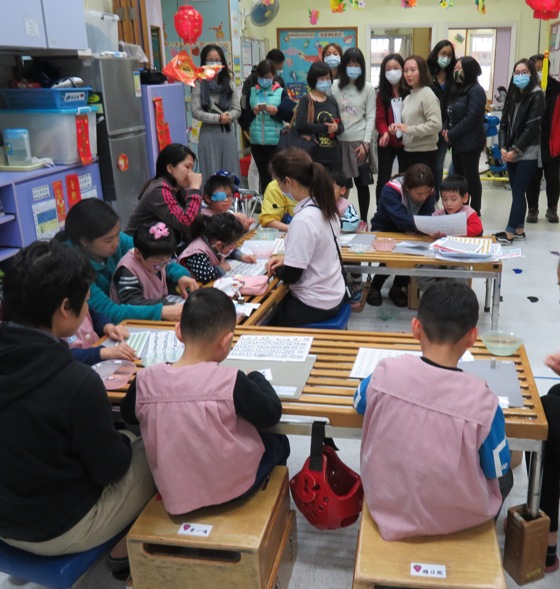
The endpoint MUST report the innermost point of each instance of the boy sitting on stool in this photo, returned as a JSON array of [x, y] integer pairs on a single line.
[[434, 456]]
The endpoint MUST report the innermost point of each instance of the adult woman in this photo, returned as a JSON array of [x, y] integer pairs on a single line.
[[93, 228], [311, 265], [441, 63], [550, 141], [266, 95], [332, 54], [465, 125], [216, 104], [390, 95], [356, 101], [173, 195], [326, 125], [519, 139], [421, 116]]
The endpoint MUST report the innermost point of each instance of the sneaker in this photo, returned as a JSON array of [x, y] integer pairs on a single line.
[[503, 238], [519, 236], [356, 292], [552, 215], [533, 215], [374, 297], [398, 297]]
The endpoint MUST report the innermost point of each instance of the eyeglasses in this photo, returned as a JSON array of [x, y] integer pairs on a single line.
[[161, 265]]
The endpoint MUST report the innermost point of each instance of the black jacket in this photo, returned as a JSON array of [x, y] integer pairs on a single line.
[[520, 130], [552, 95], [466, 119], [58, 444]]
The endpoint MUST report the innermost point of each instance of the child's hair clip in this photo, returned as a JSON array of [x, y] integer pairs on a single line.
[[218, 196], [159, 230], [230, 175]]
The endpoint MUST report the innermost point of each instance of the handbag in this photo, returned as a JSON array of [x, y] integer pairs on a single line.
[[289, 136], [253, 285], [327, 492], [365, 172]]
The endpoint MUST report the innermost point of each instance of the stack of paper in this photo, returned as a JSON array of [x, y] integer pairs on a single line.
[[463, 247]]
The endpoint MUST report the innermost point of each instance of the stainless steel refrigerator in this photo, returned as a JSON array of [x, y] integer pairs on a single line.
[[121, 130]]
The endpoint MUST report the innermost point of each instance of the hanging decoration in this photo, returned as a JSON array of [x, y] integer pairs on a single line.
[[480, 6], [338, 6], [545, 67], [446, 4], [408, 3], [182, 69], [313, 16], [188, 24], [358, 3], [544, 9]]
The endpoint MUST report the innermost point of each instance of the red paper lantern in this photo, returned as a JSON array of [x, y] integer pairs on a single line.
[[544, 9], [188, 24]]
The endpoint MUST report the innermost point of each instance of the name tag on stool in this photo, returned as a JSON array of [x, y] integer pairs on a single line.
[[195, 530], [418, 569]]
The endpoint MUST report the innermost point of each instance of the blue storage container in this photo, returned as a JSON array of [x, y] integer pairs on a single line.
[[24, 98]]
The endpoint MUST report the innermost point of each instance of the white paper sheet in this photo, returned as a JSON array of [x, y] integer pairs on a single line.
[[163, 346], [270, 347], [446, 224]]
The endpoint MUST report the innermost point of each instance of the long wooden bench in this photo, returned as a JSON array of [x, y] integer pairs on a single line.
[[471, 559], [252, 543]]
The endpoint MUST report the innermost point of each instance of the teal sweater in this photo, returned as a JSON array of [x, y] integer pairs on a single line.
[[99, 296]]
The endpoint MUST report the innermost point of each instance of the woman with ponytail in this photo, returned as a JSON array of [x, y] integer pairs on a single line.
[[311, 264]]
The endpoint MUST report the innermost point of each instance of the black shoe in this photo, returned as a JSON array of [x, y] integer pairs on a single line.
[[374, 297], [533, 215], [552, 215], [398, 297], [119, 567], [518, 236], [503, 238]]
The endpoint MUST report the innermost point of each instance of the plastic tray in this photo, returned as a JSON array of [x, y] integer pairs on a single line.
[[45, 97]]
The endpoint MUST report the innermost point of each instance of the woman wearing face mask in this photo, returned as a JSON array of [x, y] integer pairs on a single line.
[[266, 95], [519, 137], [332, 54], [390, 95], [216, 103], [441, 63], [465, 125], [326, 125], [550, 152], [356, 101]]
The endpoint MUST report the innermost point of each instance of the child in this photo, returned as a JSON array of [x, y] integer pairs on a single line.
[[401, 199], [218, 196], [199, 419], [215, 238], [442, 430], [454, 197], [140, 277], [277, 208]]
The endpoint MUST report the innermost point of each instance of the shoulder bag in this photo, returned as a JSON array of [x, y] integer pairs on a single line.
[[289, 137]]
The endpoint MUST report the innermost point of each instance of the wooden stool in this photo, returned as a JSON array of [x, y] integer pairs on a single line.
[[471, 558], [252, 544]]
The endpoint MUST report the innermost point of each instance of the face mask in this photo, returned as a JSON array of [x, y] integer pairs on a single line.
[[459, 76], [521, 80], [323, 85], [393, 76], [213, 63], [279, 72], [288, 195], [539, 76], [332, 60], [353, 72], [443, 62], [265, 83], [218, 197]]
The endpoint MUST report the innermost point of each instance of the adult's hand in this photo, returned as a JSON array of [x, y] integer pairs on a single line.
[[274, 263], [187, 284], [172, 312], [195, 180], [553, 362], [384, 140]]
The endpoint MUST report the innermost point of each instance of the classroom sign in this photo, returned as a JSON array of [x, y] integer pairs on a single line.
[[302, 47]]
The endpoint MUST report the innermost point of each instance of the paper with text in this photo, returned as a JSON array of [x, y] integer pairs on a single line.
[[270, 347], [446, 224]]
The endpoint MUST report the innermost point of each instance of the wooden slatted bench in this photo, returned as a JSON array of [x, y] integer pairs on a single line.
[[471, 559], [252, 543]]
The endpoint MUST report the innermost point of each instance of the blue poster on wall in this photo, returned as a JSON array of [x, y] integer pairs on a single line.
[[302, 47]]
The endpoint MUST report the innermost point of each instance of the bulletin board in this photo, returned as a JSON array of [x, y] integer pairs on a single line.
[[303, 46], [252, 52]]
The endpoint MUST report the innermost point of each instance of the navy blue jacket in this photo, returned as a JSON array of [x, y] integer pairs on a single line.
[[466, 120]]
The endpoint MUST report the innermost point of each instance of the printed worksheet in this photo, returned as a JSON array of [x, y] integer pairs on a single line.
[[163, 346], [446, 224], [271, 347]]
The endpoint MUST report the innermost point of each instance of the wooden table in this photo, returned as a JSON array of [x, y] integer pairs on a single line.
[[329, 391], [274, 294], [406, 264]]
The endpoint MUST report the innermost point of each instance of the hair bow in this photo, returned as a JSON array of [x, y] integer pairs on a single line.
[[159, 230]]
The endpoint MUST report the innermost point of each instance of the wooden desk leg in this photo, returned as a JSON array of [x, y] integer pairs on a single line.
[[535, 482], [496, 290]]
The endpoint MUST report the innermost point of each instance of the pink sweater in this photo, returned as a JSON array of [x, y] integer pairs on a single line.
[[423, 427]]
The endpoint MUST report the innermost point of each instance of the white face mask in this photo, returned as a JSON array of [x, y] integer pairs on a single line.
[[393, 76], [539, 76]]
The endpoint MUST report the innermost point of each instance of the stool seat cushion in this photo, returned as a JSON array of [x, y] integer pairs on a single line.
[[339, 321], [56, 572]]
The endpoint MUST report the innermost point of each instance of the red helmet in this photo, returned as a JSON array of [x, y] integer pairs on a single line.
[[326, 491]]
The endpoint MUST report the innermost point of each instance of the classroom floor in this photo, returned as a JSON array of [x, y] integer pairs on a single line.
[[326, 559]]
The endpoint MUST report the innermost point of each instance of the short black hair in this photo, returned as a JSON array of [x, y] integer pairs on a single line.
[[340, 178], [207, 313], [447, 311], [265, 67], [455, 183], [88, 219], [276, 56], [223, 227], [537, 57], [218, 181], [150, 241], [471, 69], [317, 70], [42, 275]]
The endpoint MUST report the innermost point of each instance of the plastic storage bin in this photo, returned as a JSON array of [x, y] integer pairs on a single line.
[[102, 31], [53, 132], [39, 98]]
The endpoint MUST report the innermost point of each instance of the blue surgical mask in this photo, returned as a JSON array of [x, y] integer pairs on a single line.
[[279, 72], [288, 195], [353, 72], [265, 83], [521, 80], [323, 85], [443, 62], [218, 196], [332, 60]]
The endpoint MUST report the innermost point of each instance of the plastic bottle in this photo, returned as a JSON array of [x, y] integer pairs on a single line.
[[18, 148]]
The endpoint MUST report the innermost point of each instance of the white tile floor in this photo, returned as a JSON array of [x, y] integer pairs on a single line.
[[326, 559]]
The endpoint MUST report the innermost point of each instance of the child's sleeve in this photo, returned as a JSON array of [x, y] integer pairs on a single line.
[[494, 452], [256, 400], [360, 402], [201, 268], [474, 226]]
